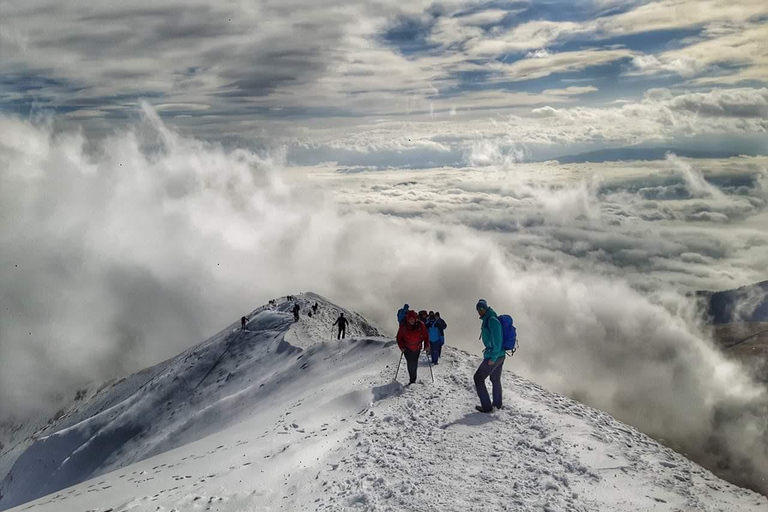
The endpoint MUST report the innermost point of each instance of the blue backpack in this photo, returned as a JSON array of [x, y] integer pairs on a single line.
[[508, 333]]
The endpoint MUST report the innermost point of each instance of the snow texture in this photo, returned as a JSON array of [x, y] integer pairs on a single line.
[[281, 416]]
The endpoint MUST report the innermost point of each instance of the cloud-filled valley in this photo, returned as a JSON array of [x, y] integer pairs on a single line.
[[121, 252]]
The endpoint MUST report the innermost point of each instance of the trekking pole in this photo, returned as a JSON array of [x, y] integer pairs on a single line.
[[429, 361], [398, 365]]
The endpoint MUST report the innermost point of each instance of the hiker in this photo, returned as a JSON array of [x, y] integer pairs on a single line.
[[401, 313], [493, 358], [441, 326], [423, 316], [309, 313], [342, 323], [410, 337], [243, 321], [314, 307], [296, 312], [436, 327]]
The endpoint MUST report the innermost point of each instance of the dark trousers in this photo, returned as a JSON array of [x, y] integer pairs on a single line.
[[493, 371], [412, 358], [342, 333], [437, 350]]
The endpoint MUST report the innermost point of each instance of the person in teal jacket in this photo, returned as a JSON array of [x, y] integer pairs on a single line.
[[493, 358]]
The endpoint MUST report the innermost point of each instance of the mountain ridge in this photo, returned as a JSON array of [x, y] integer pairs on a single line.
[[316, 425]]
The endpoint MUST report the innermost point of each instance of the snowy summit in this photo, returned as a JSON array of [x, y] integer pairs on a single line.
[[282, 416]]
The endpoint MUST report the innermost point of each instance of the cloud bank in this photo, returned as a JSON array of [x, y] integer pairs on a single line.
[[119, 252]]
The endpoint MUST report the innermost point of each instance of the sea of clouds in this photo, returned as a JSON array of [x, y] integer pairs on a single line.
[[120, 252]]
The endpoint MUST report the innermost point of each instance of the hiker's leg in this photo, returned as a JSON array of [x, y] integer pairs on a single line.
[[412, 357], [482, 392], [496, 381]]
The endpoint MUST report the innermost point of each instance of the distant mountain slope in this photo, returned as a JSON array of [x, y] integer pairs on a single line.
[[745, 304], [635, 153], [280, 417], [739, 320]]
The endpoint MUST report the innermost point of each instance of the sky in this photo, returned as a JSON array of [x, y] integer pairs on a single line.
[[392, 83], [167, 167]]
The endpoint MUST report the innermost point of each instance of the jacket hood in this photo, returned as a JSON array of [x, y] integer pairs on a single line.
[[411, 314]]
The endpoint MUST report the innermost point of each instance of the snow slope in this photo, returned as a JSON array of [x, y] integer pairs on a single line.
[[276, 418]]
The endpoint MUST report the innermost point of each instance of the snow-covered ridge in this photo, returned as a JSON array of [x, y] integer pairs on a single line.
[[185, 398], [280, 417]]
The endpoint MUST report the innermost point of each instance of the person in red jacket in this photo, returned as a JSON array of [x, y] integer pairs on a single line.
[[410, 337]]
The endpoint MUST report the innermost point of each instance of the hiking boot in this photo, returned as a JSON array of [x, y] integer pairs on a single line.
[[480, 409], [499, 407]]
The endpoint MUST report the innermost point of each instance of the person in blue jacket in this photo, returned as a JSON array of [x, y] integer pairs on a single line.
[[436, 339], [493, 358], [401, 314]]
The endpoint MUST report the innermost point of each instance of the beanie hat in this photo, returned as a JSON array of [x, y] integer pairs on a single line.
[[481, 304]]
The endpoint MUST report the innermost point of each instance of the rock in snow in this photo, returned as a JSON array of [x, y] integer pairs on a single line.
[[283, 416]]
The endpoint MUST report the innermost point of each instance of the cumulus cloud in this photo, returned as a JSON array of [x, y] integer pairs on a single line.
[[684, 66], [483, 153], [696, 184]]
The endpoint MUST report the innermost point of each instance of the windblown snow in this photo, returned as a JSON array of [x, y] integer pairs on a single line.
[[281, 416]]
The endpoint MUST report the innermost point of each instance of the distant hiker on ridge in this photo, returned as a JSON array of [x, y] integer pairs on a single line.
[[410, 337], [401, 313], [296, 312], [493, 357], [243, 321], [314, 307], [342, 323]]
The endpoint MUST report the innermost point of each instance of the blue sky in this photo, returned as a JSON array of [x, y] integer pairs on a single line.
[[354, 77]]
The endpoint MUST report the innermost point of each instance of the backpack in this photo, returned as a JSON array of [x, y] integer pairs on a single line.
[[508, 333], [434, 332]]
